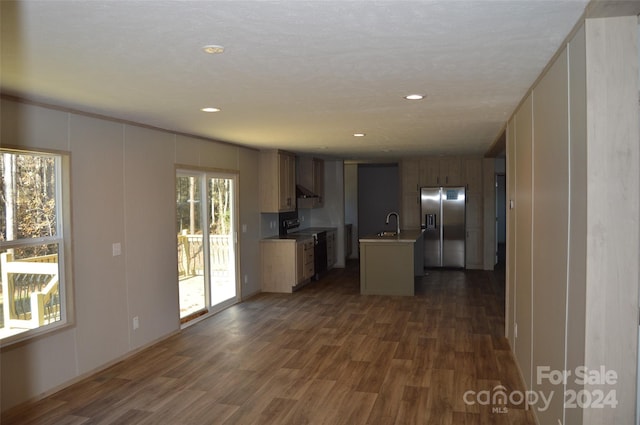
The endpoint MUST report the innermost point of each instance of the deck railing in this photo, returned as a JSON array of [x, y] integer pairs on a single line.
[[190, 256], [30, 290]]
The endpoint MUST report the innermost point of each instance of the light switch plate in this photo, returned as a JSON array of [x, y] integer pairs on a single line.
[[116, 249]]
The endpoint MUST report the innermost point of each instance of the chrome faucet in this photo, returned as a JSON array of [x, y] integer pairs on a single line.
[[397, 221]]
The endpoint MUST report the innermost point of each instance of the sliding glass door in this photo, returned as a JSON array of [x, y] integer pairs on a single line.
[[207, 255]]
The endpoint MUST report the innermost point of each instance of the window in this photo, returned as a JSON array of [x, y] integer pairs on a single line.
[[33, 243]]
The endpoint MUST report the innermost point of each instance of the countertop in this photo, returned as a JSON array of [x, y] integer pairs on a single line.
[[315, 230], [408, 236], [300, 234], [292, 237]]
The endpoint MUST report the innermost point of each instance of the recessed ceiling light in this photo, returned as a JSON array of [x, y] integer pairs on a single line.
[[359, 134], [210, 109], [213, 49], [414, 97]]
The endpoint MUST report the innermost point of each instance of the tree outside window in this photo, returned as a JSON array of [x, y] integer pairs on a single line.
[[31, 242]]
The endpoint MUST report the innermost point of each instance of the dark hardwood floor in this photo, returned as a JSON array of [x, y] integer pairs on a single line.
[[324, 355]]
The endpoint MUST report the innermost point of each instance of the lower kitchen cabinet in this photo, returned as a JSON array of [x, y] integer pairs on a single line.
[[332, 249], [286, 264], [304, 260]]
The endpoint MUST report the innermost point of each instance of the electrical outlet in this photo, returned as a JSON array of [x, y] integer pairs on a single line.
[[136, 322], [116, 249], [244, 228], [246, 279]]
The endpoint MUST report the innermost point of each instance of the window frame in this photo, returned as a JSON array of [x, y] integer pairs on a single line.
[[62, 239]]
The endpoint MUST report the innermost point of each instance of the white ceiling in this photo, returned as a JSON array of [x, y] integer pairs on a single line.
[[299, 75]]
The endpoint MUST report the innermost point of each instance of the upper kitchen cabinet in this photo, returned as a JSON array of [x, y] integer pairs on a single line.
[[444, 171], [473, 174], [410, 176], [277, 181], [429, 172], [310, 179]]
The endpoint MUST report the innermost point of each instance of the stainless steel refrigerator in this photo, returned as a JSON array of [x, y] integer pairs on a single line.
[[443, 221]]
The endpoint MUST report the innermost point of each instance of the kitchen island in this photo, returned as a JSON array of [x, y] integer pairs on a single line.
[[389, 262]]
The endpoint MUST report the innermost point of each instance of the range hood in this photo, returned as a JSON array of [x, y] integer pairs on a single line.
[[303, 192]]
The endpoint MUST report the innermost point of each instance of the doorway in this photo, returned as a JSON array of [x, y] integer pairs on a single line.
[[501, 219], [206, 242]]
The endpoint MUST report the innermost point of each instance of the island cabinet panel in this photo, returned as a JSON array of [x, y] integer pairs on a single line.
[[277, 181], [389, 263], [387, 268]]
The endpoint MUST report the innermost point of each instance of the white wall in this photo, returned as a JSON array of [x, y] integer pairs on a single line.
[[572, 274], [550, 227], [123, 190]]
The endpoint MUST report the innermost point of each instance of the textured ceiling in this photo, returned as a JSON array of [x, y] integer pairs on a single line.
[[299, 75]]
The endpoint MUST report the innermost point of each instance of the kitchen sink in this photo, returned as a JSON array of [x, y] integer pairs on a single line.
[[385, 233]]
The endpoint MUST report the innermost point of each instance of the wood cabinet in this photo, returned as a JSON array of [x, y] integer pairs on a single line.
[[445, 171], [410, 176], [310, 175], [474, 210], [285, 264], [277, 181], [429, 172], [473, 248], [473, 174], [332, 249], [410, 194], [304, 260], [410, 211]]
